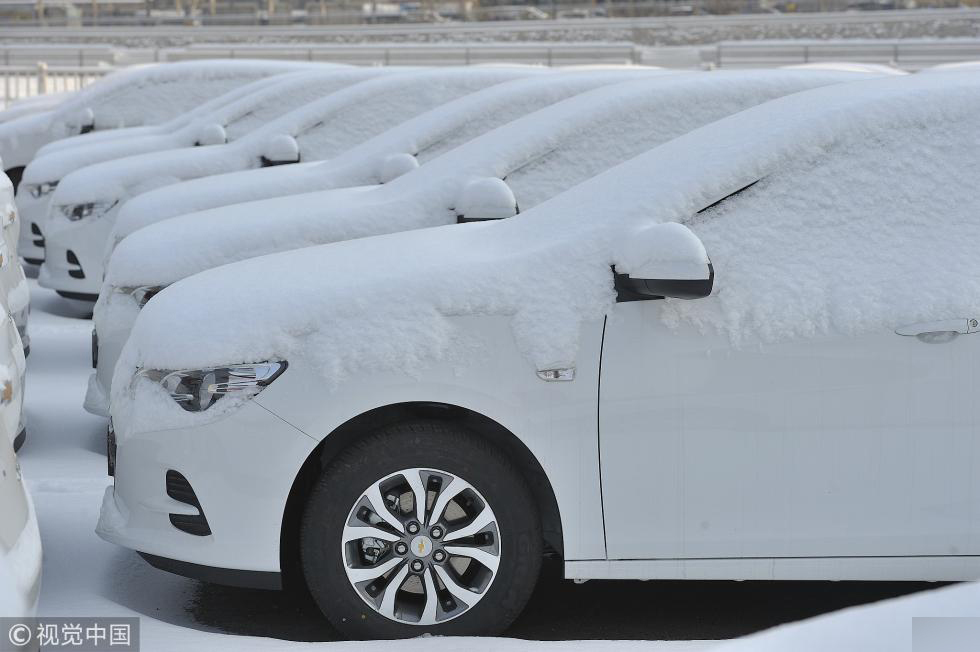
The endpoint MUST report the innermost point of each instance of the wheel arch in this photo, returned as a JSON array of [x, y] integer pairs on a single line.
[[481, 425]]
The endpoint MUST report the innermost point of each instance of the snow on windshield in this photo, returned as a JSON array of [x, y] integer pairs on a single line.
[[887, 236], [297, 90]]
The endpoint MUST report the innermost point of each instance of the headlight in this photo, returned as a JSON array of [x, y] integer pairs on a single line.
[[39, 190], [75, 212], [196, 390], [143, 293], [9, 216]]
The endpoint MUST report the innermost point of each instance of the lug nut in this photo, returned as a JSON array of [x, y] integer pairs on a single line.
[[413, 528], [401, 548], [417, 566], [436, 532], [439, 555]]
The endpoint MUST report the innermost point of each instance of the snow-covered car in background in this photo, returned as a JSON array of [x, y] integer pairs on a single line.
[[222, 120], [492, 176], [15, 295], [85, 203], [782, 312], [143, 95], [20, 540], [40, 181], [378, 160]]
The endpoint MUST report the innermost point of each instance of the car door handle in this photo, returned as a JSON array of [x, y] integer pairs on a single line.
[[962, 326]]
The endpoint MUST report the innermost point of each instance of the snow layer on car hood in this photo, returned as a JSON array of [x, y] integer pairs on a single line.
[[349, 116], [865, 216], [540, 155], [426, 135]]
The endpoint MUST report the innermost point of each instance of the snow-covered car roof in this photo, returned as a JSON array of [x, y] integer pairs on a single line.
[[862, 215], [267, 99], [140, 95], [322, 129], [538, 155], [425, 136]]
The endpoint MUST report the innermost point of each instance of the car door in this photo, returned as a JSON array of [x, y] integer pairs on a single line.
[[824, 447]]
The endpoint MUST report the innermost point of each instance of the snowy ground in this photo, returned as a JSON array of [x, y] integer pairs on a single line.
[[84, 576]]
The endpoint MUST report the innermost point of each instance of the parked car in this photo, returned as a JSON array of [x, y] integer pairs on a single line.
[[15, 295], [495, 175], [780, 307], [227, 118], [86, 201], [144, 95], [378, 160], [20, 540]]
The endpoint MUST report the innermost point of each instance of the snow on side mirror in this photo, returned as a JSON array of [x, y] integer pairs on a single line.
[[281, 149], [663, 260], [395, 165], [82, 122], [486, 199], [212, 134]]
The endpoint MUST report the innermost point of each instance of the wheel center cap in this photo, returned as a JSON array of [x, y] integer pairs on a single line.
[[421, 546]]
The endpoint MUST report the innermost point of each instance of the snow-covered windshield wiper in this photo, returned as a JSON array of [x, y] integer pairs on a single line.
[[728, 196]]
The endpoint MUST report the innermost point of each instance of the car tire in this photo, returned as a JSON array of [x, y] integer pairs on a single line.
[[445, 457]]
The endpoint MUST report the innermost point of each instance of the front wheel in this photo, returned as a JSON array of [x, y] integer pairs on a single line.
[[421, 527]]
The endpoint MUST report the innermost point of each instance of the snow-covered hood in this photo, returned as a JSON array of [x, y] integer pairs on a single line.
[[549, 268], [665, 107], [52, 167], [99, 137], [21, 137], [116, 179], [219, 189]]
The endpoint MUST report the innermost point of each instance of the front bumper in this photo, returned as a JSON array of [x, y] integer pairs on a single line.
[[74, 252], [113, 322], [30, 242], [240, 468]]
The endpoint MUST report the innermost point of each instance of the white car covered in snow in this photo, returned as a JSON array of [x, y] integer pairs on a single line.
[[15, 295], [224, 119], [143, 95], [86, 201], [492, 176], [781, 307], [20, 540]]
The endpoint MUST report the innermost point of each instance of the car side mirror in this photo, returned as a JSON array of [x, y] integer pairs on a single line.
[[83, 121], [212, 134], [280, 150], [486, 199], [395, 165], [660, 261]]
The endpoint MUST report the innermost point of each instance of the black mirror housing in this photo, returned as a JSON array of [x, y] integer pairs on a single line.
[[646, 289]]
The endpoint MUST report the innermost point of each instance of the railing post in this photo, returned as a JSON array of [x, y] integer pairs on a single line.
[[42, 78]]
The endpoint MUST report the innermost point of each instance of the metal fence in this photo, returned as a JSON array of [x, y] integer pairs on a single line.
[[21, 82]]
